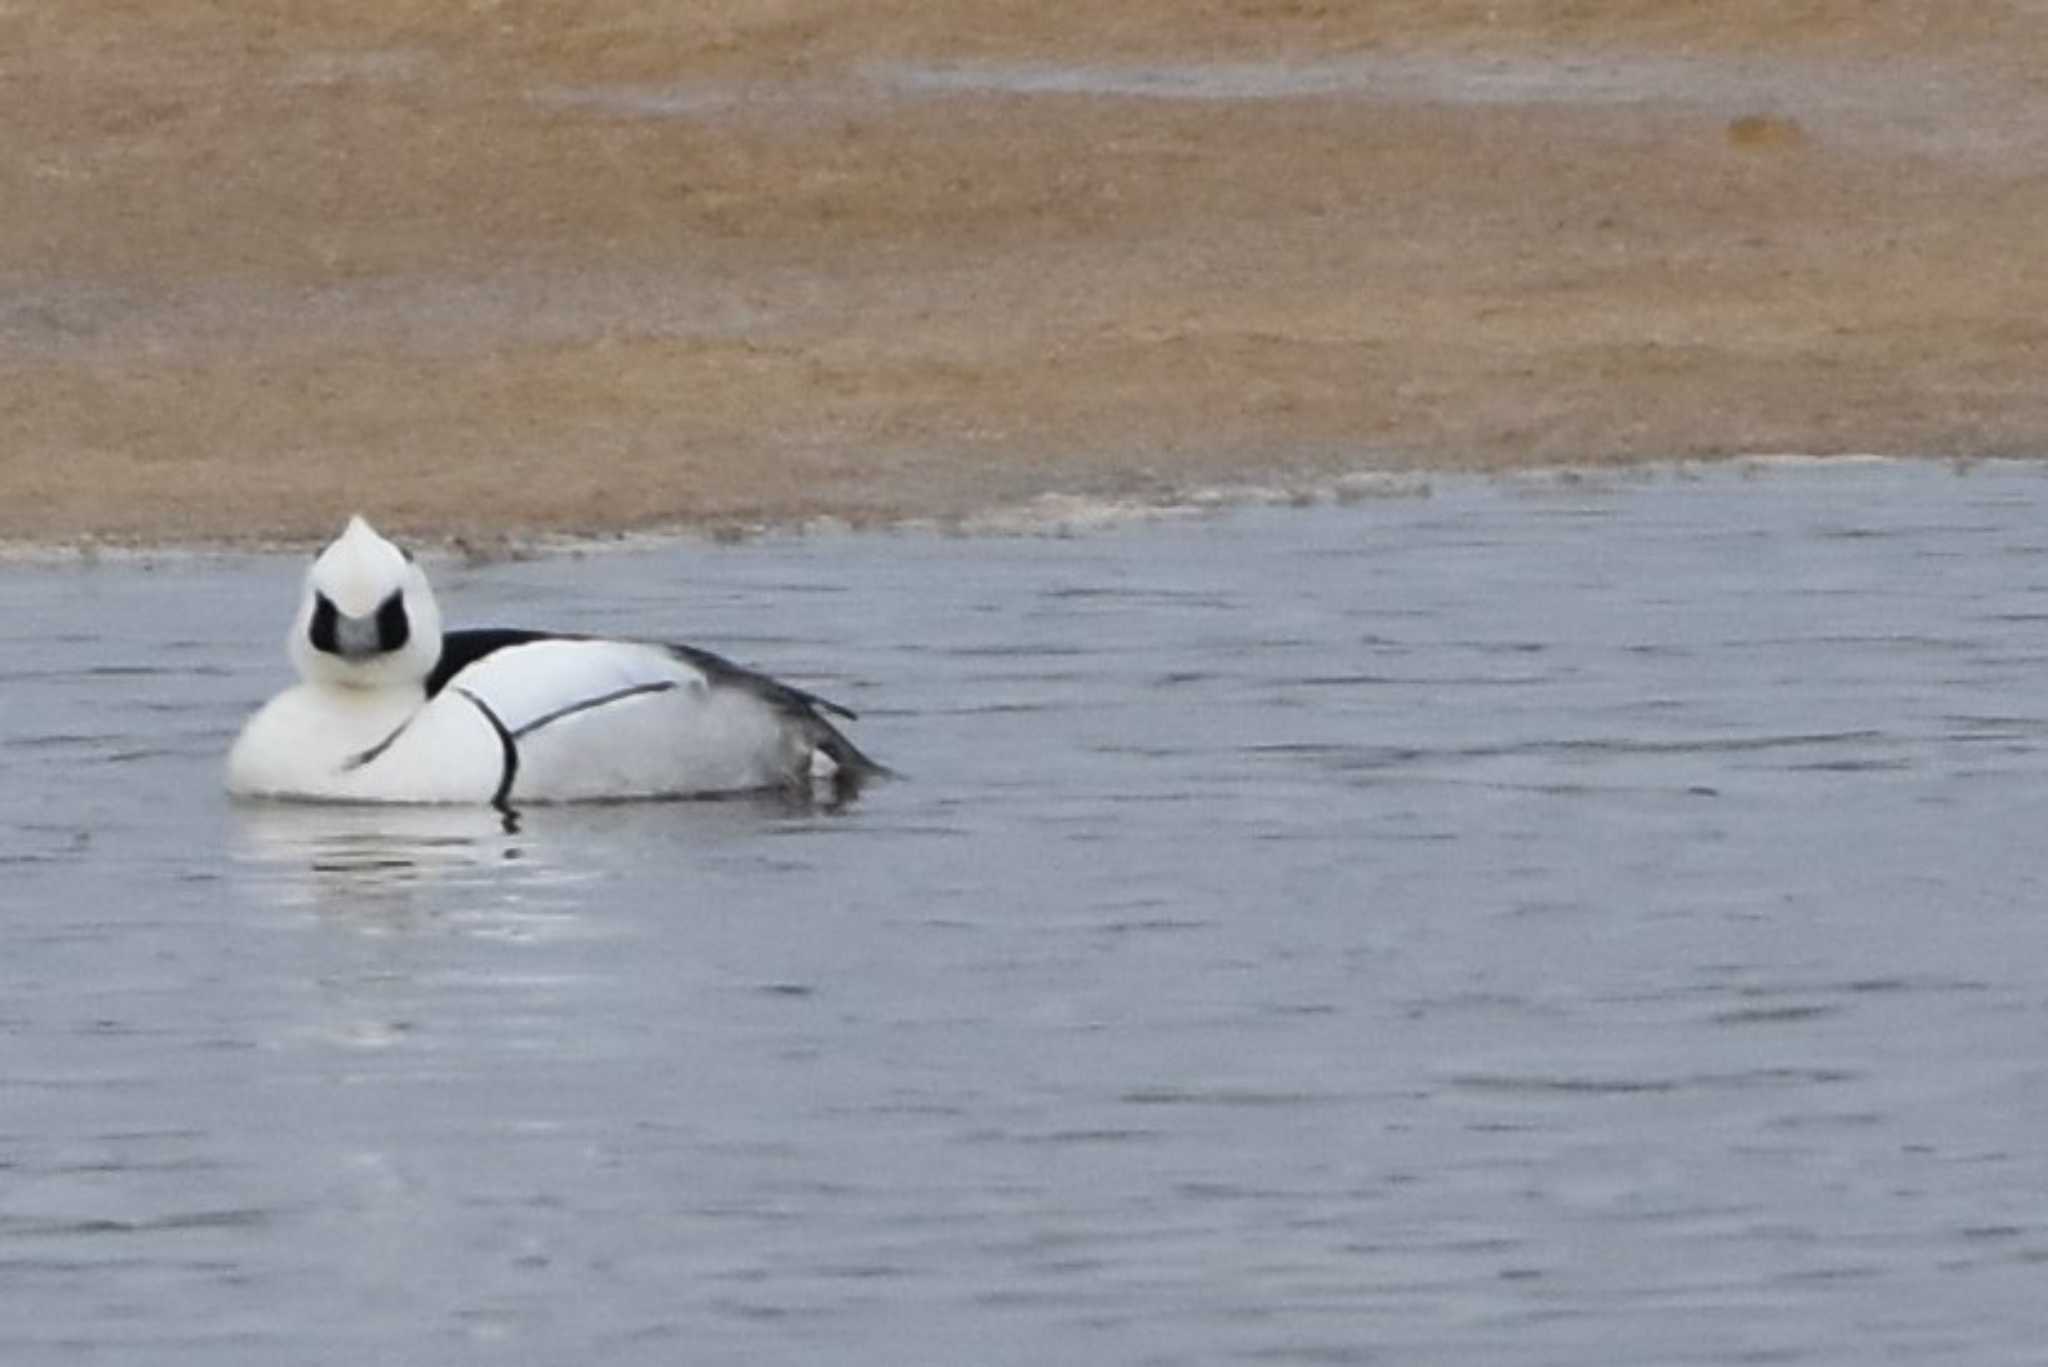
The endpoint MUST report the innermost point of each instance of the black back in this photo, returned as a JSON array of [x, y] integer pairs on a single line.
[[461, 649]]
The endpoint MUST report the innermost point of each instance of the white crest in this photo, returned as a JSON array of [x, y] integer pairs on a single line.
[[359, 569], [358, 575]]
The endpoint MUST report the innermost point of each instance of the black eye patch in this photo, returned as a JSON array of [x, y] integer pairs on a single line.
[[394, 628], [322, 631]]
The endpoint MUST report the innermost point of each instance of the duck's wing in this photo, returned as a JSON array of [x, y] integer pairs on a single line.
[[644, 716], [723, 673], [529, 680], [798, 707]]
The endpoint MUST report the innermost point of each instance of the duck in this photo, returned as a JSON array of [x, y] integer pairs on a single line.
[[392, 708]]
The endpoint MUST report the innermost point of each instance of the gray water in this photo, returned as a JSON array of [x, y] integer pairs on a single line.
[[1564, 923]]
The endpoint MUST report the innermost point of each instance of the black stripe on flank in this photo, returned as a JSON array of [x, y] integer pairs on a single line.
[[507, 744], [617, 695], [357, 761]]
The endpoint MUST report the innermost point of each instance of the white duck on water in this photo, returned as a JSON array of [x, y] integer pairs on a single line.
[[390, 708]]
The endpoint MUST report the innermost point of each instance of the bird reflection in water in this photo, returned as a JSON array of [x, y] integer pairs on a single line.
[[375, 863]]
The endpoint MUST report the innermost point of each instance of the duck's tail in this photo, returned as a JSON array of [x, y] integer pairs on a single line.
[[846, 767]]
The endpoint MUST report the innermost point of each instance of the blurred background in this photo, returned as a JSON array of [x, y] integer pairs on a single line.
[[497, 268]]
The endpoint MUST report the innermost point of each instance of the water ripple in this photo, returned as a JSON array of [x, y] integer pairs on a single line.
[[1516, 925]]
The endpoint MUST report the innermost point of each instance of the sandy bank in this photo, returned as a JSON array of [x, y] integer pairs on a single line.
[[478, 270]]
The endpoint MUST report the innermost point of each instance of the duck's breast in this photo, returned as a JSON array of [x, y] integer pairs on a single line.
[[351, 745]]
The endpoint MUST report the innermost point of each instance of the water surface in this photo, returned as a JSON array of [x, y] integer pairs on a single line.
[[1535, 923]]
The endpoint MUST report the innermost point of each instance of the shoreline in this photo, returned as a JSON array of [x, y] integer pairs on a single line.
[[1052, 514]]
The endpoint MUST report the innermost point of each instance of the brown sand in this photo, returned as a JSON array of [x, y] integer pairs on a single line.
[[480, 269]]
